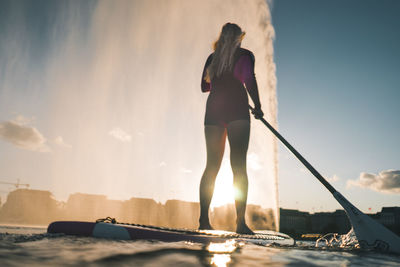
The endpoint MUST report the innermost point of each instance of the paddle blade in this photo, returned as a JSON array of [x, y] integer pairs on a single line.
[[370, 233]]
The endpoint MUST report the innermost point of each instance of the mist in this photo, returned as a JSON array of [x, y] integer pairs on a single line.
[[119, 85]]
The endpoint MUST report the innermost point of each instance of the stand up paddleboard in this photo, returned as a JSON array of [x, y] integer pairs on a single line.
[[114, 230]]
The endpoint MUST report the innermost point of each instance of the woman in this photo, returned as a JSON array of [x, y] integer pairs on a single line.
[[228, 72]]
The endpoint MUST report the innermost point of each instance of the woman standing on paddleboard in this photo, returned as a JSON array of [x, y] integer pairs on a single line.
[[228, 72]]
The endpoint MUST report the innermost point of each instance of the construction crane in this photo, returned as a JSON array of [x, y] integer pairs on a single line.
[[17, 184]]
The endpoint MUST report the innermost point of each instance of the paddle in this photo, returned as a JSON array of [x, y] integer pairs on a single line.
[[370, 233]]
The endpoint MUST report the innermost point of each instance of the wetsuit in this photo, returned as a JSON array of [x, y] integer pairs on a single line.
[[228, 99]]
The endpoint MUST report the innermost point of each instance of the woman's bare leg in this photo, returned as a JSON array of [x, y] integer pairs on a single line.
[[238, 136], [215, 142]]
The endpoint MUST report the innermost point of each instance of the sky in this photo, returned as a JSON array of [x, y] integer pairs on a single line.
[[338, 66], [84, 97]]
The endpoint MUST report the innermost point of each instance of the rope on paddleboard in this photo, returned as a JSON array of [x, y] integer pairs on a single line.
[[262, 236], [107, 220]]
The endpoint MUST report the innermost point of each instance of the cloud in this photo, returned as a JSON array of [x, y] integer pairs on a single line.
[[333, 179], [18, 133], [22, 120], [387, 182], [120, 135], [60, 141]]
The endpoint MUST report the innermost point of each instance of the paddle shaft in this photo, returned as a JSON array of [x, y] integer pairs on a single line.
[[369, 233], [298, 155]]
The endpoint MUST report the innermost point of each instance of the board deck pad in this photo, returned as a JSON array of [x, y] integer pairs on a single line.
[[123, 231]]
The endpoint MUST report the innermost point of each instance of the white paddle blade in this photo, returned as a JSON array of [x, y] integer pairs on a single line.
[[370, 233]]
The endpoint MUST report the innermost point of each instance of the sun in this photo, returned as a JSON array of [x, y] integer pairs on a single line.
[[223, 190]]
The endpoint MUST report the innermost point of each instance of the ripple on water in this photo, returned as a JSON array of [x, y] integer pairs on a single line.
[[34, 247]]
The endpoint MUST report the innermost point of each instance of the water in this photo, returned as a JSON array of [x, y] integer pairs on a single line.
[[34, 247]]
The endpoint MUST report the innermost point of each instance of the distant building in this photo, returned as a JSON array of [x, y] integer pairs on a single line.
[[26, 206], [294, 222], [342, 221], [390, 217], [330, 222], [181, 214], [142, 211]]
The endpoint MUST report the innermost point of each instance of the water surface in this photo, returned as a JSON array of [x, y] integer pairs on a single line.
[[21, 245]]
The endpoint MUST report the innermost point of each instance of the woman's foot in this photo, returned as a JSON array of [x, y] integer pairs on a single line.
[[205, 226], [242, 228]]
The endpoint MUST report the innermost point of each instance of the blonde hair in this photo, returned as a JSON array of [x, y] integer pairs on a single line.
[[224, 49]]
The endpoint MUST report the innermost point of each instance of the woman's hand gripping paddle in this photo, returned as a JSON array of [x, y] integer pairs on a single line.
[[370, 233]]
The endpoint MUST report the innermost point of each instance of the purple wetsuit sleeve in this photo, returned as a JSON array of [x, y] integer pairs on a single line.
[[244, 71], [206, 86]]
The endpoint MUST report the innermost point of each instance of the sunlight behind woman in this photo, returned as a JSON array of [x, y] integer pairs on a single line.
[[224, 190]]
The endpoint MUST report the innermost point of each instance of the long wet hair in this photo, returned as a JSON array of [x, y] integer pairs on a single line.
[[224, 49]]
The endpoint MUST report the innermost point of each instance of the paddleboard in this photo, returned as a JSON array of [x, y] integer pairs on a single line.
[[145, 232]]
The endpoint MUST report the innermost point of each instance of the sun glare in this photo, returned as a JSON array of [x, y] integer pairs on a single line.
[[223, 191], [222, 252]]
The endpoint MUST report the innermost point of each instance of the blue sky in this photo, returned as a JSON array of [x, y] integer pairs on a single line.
[[338, 66]]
